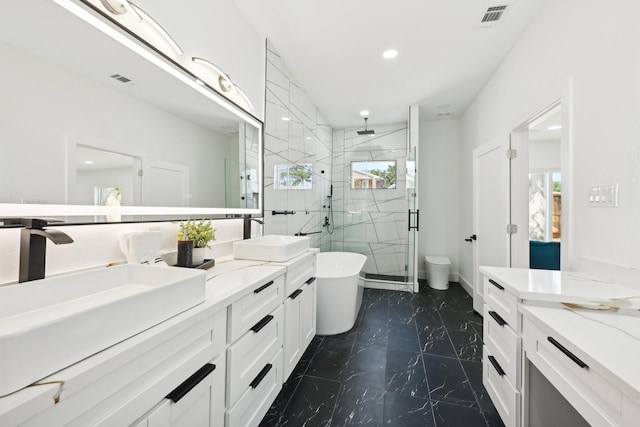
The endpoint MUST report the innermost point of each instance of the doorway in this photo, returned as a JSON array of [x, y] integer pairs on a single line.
[[537, 191]]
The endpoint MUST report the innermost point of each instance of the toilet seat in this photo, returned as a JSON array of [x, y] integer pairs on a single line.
[[437, 260]]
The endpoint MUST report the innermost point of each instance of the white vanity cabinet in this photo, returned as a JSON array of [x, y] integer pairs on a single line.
[[299, 309], [254, 357], [502, 355]]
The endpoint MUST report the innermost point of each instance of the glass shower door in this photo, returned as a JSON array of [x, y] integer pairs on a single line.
[[412, 199]]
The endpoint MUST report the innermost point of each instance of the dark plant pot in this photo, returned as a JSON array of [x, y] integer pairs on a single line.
[[185, 253]]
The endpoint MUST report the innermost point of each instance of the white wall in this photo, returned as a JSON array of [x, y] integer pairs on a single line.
[[595, 46], [544, 155], [439, 183]]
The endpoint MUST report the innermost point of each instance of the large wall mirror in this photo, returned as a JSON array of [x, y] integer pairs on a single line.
[[97, 126]]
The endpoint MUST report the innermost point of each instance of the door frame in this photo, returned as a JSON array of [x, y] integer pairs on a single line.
[[562, 95]]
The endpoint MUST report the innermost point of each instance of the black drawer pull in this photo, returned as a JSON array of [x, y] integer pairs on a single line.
[[496, 284], [261, 324], [567, 353], [496, 365], [310, 281], [497, 318], [295, 294], [258, 379], [263, 287], [184, 388]]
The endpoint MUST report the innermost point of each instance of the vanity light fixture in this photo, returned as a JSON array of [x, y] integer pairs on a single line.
[[390, 54], [224, 81], [144, 16], [245, 97]]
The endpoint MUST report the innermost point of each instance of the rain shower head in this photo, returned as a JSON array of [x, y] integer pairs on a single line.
[[366, 131]]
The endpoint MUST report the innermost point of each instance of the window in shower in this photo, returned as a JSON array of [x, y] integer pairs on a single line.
[[373, 174], [292, 177]]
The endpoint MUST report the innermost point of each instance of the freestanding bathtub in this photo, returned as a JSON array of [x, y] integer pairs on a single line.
[[339, 291]]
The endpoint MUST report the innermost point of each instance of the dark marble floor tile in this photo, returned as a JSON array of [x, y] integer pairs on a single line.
[[427, 315], [403, 337], [372, 331], [308, 354], [358, 406], [474, 374], [312, 404], [452, 415], [367, 366], [493, 419], [435, 340], [272, 418], [401, 311], [330, 360], [456, 320], [378, 310], [479, 329], [407, 411], [405, 374], [350, 336], [371, 294], [399, 298], [468, 344], [447, 381]]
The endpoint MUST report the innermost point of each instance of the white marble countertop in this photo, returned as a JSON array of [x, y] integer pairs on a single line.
[[608, 341], [562, 286], [226, 282]]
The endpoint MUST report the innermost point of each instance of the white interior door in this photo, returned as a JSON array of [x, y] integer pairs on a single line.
[[490, 211], [165, 184]]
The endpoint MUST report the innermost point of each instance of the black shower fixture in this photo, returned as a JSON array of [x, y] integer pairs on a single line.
[[366, 131]]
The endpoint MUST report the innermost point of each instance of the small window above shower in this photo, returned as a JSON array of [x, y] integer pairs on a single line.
[[378, 174], [293, 177]]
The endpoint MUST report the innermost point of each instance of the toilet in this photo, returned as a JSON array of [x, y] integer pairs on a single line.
[[437, 268]]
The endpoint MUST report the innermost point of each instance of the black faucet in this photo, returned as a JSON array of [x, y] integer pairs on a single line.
[[247, 226], [33, 247]]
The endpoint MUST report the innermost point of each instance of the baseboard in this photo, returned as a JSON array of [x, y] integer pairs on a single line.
[[465, 285]]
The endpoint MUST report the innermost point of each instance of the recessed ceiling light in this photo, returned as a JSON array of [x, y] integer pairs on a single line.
[[308, 138], [286, 119], [88, 162], [389, 54], [364, 113], [556, 127]]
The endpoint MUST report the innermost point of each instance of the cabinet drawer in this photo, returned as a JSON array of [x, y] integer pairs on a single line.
[[502, 302], [504, 344], [566, 368], [504, 396], [251, 352], [254, 403], [299, 273], [250, 309]]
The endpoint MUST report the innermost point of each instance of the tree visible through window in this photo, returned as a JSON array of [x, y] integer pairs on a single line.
[[293, 177]]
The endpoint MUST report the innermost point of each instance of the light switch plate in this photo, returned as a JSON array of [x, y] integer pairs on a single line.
[[603, 195]]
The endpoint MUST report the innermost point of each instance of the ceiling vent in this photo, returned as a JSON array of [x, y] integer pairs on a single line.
[[120, 78], [493, 15]]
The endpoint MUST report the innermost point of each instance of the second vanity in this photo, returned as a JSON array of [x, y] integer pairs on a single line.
[[220, 363], [577, 333]]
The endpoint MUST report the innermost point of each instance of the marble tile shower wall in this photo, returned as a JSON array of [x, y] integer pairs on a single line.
[[295, 134], [372, 222]]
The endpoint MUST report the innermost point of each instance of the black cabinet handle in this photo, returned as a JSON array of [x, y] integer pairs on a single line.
[[261, 324], [310, 280], [496, 365], [497, 318], [263, 287], [184, 388], [258, 379], [567, 353], [295, 294], [496, 284], [468, 240]]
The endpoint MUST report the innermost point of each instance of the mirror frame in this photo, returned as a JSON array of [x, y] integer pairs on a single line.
[[96, 18]]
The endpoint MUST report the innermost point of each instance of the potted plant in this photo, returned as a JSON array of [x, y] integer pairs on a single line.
[[201, 233]]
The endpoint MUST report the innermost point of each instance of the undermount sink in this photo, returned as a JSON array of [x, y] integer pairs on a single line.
[[270, 248], [49, 324]]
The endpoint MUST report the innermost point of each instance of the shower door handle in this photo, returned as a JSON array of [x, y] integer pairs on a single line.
[[417, 214]]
